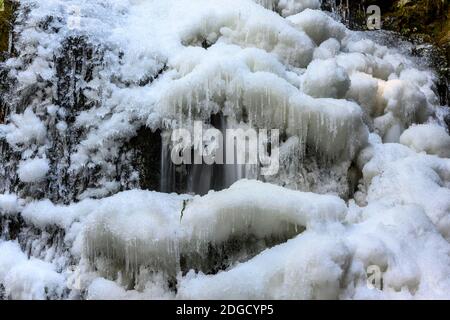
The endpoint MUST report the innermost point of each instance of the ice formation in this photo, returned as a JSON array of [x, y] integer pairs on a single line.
[[428, 138], [33, 170], [364, 179], [27, 278]]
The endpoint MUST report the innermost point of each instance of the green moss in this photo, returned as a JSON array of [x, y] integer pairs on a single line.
[[6, 16], [428, 18]]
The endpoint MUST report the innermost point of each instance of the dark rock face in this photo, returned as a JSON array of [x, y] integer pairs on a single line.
[[74, 66], [146, 149], [75, 63], [447, 120]]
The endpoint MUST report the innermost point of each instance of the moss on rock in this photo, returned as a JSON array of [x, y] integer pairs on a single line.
[[7, 8], [428, 18]]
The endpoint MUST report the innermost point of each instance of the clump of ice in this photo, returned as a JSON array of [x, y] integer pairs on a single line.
[[289, 7], [33, 170], [404, 105], [327, 49], [28, 278], [428, 138], [24, 130], [364, 90], [395, 174], [324, 78], [318, 25], [402, 243], [9, 204], [44, 213]]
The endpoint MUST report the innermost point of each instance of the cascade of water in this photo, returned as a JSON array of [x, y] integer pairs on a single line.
[[200, 178], [167, 168]]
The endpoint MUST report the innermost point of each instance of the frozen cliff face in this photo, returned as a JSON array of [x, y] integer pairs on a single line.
[[96, 88], [85, 83]]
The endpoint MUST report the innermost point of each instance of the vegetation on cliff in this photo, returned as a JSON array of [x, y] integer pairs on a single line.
[[428, 18], [6, 17]]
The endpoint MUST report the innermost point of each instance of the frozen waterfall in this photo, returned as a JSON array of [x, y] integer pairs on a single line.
[[92, 205]]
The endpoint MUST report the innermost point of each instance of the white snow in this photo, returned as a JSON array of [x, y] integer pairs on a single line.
[[24, 130], [163, 231], [324, 78], [27, 278], [9, 204], [405, 245], [428, 138], [397, 175], [33, 170], [345, 105], [44, 213], [327, 49], [289, 7], [154, 289], [318, 25], [307, 267]]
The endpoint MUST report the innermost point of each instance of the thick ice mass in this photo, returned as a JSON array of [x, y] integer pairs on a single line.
[[364, 179], [428, 138], [27, 278], [169, 237]]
